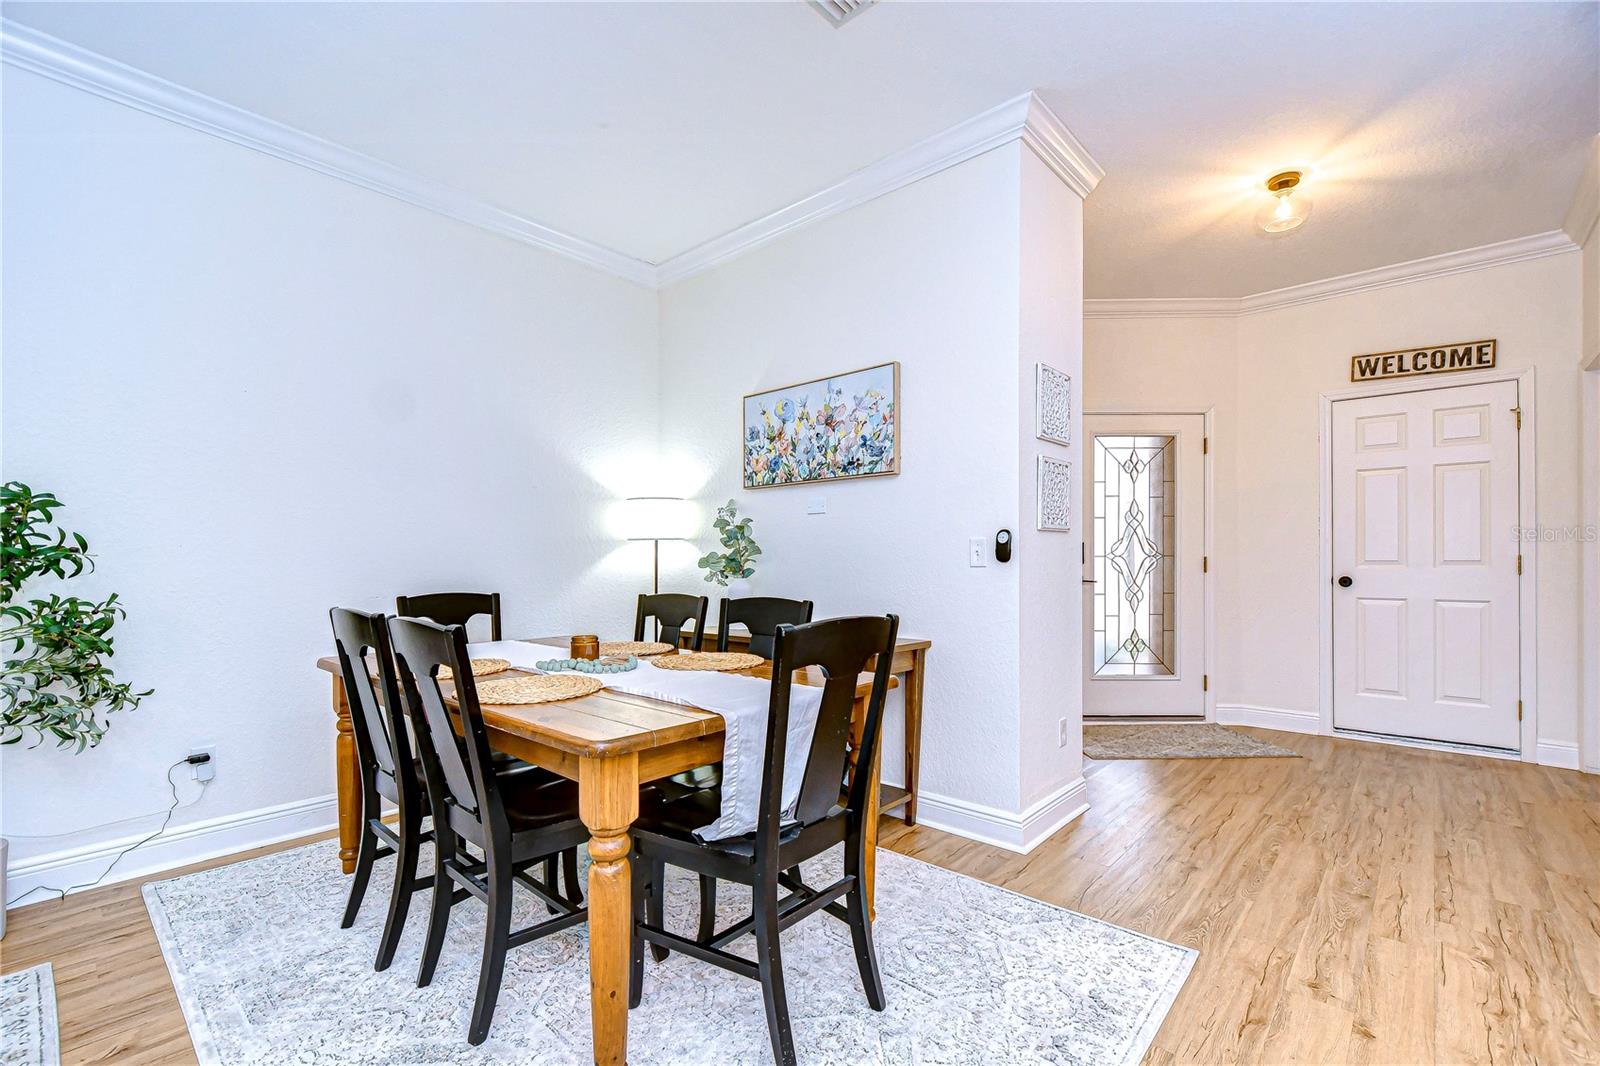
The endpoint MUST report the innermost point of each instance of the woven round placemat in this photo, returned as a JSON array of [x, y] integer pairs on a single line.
[[480, 668], [634, 647], [708, 660], [536, 688]]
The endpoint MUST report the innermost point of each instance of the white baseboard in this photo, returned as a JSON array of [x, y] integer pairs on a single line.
[[1005, 829], [195, 842], [1269, 718], [1561, 753]]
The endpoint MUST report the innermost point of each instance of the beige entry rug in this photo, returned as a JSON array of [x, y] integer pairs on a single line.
[[974, 974], [28, 1032], [1174, 740]]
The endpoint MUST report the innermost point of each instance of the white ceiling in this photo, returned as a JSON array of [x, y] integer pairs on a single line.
[[651, 128]]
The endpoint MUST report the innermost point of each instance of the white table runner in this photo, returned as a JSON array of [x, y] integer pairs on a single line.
[[741, 701]]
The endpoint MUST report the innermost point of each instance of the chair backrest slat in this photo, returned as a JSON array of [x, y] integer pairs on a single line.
[[452, 608], [458, 768], [673, 611], [761, 615], [842, 648], [377, 718]]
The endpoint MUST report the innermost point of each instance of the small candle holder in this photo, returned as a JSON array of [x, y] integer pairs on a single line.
[[586, 646]]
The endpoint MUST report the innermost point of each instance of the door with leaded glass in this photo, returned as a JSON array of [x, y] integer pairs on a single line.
[[1144, 564]]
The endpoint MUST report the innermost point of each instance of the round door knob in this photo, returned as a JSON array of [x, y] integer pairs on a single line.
[[1345, 582]]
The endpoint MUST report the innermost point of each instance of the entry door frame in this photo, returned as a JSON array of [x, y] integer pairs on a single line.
[[1207, 639], [1527, 588]]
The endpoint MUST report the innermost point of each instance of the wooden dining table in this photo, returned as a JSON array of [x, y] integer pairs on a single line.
[[610, 743]]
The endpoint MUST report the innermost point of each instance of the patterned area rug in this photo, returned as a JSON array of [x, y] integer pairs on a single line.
[[28, 1032], [973, 974], [1174, 740]]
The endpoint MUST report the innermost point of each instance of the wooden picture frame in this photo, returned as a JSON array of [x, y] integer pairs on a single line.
[[836, 428]]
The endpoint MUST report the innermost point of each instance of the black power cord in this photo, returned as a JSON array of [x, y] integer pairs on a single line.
[[61, 893]]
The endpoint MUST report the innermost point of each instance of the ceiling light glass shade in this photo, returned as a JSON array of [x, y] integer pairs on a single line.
[[1283, 211], [657, 518]]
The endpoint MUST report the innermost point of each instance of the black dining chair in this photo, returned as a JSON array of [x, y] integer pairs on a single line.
[[452, 608], [761, 615], [672, 612], [386, 768], [831, 809], [516, 821]]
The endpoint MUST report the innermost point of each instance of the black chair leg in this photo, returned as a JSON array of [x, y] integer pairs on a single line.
[[405, 875], [655, 906], [640, 888], [708, 909], [569, 870], [861, 934], [549, 867], [366, 853], [496, 934], [769, 963], [438, 915]]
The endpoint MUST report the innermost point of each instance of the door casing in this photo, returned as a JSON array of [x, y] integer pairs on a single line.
[[1208, 657], [1527, 590]]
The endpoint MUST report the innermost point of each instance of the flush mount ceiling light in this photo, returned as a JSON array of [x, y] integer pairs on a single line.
[[1287, 204]]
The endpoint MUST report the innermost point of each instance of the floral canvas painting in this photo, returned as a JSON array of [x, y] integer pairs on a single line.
[[838, 427]]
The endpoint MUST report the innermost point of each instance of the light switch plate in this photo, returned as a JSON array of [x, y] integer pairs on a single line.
[[978, 552], [817, 505]]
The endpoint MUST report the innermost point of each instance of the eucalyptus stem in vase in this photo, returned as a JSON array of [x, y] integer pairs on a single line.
[[734, 562]]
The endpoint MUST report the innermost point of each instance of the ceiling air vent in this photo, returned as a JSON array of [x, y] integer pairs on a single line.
[[838, 12]]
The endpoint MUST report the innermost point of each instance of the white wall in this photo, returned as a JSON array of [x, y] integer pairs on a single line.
[[1583, 226], [939, 276], [226, 366], [1181, 366], [1265, 566], [928, 276], [1049, 563]]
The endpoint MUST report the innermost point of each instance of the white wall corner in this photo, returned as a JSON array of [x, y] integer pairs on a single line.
[[1585, 210], [1013, 831], [1051, 140]]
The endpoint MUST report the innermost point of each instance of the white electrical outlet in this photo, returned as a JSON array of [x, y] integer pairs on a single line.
[[1066, 733], [816, 505], [977, 552], [207, 770]]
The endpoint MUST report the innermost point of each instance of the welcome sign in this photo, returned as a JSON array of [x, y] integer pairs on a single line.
[[1410, 362]]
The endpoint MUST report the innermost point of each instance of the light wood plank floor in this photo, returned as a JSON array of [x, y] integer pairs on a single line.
[[1365, 904]]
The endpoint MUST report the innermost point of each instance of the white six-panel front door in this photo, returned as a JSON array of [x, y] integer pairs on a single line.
[[1144, 602], [1425, 596]]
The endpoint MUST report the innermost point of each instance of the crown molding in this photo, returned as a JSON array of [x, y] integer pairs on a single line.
[[1199, 307], [1502, 253], [1585, 210], [1024, 118], [64, 62]]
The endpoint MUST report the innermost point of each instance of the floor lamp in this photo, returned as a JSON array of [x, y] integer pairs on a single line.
[[657, 518]]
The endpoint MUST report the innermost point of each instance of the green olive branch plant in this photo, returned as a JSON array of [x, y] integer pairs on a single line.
[[734, 532], [56, 683]]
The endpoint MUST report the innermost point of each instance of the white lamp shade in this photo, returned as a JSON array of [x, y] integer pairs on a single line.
[[657, 518]]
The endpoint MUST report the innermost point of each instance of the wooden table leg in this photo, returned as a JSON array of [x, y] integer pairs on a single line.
[[346, 778], [608, 802], [913, 706]]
